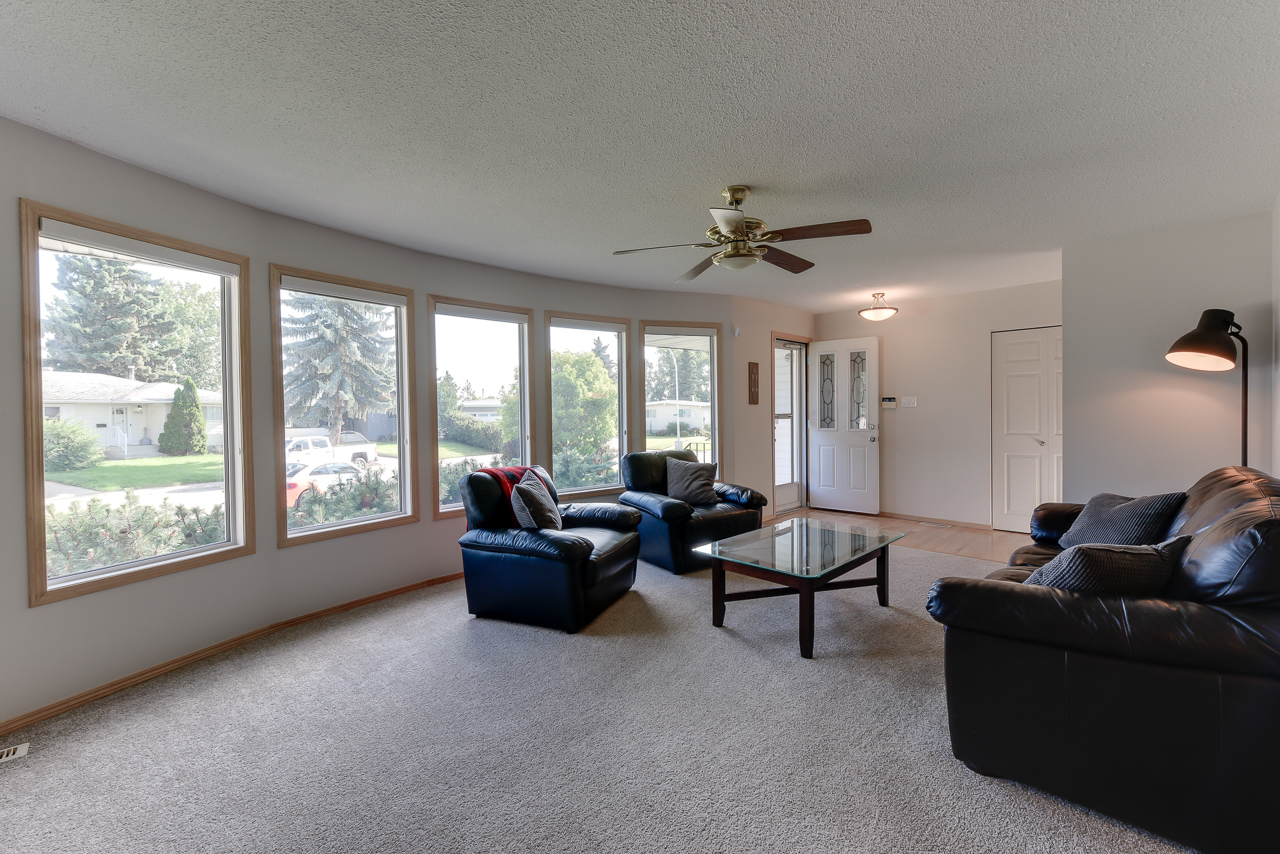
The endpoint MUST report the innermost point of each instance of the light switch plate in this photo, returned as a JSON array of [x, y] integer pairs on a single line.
[[908, 401]]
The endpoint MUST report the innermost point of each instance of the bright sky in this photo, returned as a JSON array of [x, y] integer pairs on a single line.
[[486, 352], [49, 275]]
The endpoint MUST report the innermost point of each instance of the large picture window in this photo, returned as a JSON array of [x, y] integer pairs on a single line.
[[681, 371], [587, 371], [344, 405], [136, 397], [480, 359]]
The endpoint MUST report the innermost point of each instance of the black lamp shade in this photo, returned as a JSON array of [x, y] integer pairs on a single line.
[[1208, 347]]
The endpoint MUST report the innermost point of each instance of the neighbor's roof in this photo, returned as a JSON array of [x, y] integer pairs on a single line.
[[73, 387], [481, 403]]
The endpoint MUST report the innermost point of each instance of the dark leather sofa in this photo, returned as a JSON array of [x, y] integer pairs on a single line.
[[1162, 712], [670, 529], [558, 579]]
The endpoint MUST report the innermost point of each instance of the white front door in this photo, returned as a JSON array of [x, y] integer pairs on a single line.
[[1026, 424], [844, 417]]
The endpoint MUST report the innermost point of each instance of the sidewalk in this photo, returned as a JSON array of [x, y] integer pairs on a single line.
[[202, 495]]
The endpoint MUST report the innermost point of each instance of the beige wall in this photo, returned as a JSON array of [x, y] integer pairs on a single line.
[[1136, 424], [60, 649], [935, 459]]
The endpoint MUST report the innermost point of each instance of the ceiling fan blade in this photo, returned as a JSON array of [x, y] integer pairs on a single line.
[[671, 246], [826, 229], [785, 260], [731, 221], [698, 270]]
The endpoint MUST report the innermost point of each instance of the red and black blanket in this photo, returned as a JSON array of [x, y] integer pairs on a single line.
[[507, 477]]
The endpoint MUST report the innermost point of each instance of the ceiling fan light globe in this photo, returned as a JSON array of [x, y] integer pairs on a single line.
[[737, 262]]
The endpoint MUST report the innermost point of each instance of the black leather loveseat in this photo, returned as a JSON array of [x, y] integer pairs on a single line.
[[1163, 712], [669, 528], [558, 579]]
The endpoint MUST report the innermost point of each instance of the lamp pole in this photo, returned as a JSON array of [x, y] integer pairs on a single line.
[[1244, 394]]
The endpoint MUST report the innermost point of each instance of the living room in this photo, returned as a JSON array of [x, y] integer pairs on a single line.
[[1123, 284]]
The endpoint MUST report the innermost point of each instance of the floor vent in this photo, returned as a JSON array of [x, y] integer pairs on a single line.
[[14, 752], [934, 525]]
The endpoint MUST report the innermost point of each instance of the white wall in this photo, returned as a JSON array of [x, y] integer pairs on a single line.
[[935, 459], [61, 649], [1136, 424]]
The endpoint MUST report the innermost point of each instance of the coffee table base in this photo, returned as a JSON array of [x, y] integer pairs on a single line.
[[797, 585]]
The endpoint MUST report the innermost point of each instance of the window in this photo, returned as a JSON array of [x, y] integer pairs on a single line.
[[129, 335], [480, 359], [344, 405], [586, 366], [681, 373]]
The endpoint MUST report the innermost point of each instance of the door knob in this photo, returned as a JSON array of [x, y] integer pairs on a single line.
[[1040, 442], [873, 438]]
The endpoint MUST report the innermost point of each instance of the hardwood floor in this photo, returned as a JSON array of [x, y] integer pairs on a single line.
[[982, 543]]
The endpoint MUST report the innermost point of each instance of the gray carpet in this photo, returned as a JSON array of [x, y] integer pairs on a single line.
[[409, 726]]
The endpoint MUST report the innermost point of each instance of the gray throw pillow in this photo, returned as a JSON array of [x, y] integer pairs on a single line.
[[691, 482], [1117, 520], [531, 503], [1115, 570]]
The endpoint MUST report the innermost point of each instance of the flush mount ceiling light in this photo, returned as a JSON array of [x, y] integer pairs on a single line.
[[879, 309]]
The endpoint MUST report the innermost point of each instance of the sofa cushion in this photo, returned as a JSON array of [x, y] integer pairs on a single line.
[[1218, 493], [533, 505], [1113, 569], [691, 482], [1117, 520], [1235, 561], [712, 522], [611, 552], [1033, 556]]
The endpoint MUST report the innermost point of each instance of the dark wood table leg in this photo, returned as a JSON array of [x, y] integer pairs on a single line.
[[882, 576], [806, 620], [717, 592]]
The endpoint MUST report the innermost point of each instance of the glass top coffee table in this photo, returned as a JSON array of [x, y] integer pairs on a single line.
[[803, 555]]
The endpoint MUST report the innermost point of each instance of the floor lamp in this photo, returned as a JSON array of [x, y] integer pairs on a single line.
[[1209, 347]]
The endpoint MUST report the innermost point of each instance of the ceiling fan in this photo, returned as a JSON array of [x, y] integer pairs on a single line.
[[736, 231]]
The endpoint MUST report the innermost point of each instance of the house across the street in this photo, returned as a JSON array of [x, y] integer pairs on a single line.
[[691, 413], [485, 408], [127, 416]]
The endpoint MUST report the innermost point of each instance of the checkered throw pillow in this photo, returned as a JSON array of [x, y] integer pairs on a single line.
[[1116, 570], [1123, 521]]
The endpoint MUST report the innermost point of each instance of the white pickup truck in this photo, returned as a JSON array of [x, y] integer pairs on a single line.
[[351, 448]]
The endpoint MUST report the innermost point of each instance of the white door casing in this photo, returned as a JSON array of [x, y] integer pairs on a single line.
[[788, 426], [844, 418], [1026, 424]]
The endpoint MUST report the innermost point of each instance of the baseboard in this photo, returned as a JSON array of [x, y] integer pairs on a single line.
[[101, 691]]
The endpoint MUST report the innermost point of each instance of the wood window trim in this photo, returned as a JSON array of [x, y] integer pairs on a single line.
[[433, 414], [774, 338], [39, 592], [718, 328], [624, 417], [414, 514]]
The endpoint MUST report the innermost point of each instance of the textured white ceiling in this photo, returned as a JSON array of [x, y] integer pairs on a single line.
[[978, 137]]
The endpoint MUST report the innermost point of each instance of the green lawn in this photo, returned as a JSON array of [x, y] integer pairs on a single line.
[[144, 472], [388, 449], [452, 450], [658, 443]]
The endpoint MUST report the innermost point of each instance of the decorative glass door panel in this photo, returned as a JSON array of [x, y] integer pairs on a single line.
[[859, 405]]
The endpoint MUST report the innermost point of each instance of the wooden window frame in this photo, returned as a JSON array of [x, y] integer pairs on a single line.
[[406, 398], [40, 592], [624, 407], [718, 378], [530, 445]]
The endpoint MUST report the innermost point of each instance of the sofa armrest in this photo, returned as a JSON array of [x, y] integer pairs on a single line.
[[1050, 521], [743, 495], [613, 516], [561, 546], [665, 508], [1162, 631]]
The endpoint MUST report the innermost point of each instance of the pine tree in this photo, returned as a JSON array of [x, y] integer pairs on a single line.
[[339, 359], [602, 353], [184, 427], [108, 317]]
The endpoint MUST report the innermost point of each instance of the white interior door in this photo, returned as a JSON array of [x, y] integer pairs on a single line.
[[1026, 424], [844, 418]]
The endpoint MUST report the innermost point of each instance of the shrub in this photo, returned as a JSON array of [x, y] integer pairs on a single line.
[[69, 446], [184, 427], [469, 430], [366, 494], [100, 534]]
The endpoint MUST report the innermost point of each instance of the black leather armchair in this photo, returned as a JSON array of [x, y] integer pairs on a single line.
[[558, 579], [670, 529], [1158, 711]]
